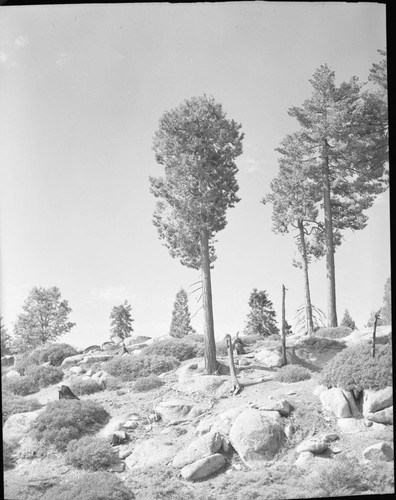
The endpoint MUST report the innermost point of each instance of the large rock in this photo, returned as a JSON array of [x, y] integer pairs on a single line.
[[334, 401], [17, 426], [225, 420], [76, 370], [257, 436], [305, 459], [71, 361], [350, 425], [7, 360], [149, 452], [89, 359], [140, 339], [203, 468], [271, 357], [280, 405], [174, 409], [380, 451], [313, 445], [384, 416], [12, 373], [374, 401], [202, 447]]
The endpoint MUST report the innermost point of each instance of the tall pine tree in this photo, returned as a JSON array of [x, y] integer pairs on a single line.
[[261, 318], [181, 320], [197, 145], [121, 320]]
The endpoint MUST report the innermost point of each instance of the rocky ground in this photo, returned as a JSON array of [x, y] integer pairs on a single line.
[[159, 441]]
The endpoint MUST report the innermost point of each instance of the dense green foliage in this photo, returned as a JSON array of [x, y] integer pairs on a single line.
[[180, 324], [144, 384], [22, 386], [386, 311], [292, 373], [90, 453], [45, 318], [261, 318], [44, 376], [13, 403], [9, 448], [121, 320], [129, 368], [65, 420], [348, 321], [355, 368], [56, 353], [80, 386], [335, 332], [6, 340], [181, 349], [91, 486]]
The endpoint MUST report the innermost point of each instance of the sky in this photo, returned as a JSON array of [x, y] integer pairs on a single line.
[[82, 89]]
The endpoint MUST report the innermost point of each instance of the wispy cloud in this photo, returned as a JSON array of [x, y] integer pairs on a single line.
[[62, 58], [21, 41], [3, 57], [111, 294], [250, 165]]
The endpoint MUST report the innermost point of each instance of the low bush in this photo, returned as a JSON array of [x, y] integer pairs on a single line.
[[179, 348], [129, 368], [91, 486], [336, 332], [80, 386], [44, 376], [113, 383], [90, 453], [22, 386], [321, 344], [65, 420], [22, 363], [221, 348], [56, 353], [355, 368], [292, 373], [144, 384], [12, 404], [9, 449]]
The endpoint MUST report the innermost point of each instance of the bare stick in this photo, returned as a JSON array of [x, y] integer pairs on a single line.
[[376, 318], [236, 386]]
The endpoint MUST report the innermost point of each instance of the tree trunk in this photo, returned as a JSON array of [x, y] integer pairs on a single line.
[[375, 330], [209, 338], [308, 304], [236, 386], [284, 359], [330, 267]]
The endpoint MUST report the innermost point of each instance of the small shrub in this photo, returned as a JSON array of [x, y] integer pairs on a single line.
[[221, 348], [12, 404], [336, 332], [81, 386], [9, 449], [355, 368], [22, 363], [65, 420], [45, 376], [56, 353], [292, 373], [144, 384], [129, 368], [91, 486], [321, 344], [21, 386], [113, 383], [89, 453], [180, 348]]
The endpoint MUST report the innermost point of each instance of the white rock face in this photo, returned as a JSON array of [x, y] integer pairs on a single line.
[[16, 426], [380, 451], [334, 401], [200, 448], [374, 401], [203, 468], [149, 452], [71, 361], [13, 373], [350, 425], [257, 436], [270, 359], [75, 370], [174, 409], [280, 405], [384, 416], [313, 445], [305, 459]]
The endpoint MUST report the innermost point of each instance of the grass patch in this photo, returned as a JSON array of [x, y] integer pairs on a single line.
[[90, 453], [292, 373], [80, 386], [180, 348], [336, 332], [44, 376], [21, 386], [129, 368], [145, 384], [12, 404]]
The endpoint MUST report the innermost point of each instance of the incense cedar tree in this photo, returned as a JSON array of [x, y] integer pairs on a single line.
[[197, 145], [180, 324]]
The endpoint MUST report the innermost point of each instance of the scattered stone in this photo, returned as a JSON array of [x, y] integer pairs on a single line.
[[374, 401], [200, 448], [118, 437], [117, 467], [203, 468], [76, 370], [131, 424], [380, 451], [291, 393], [384, 416], [336, 450], [257, 436], [368, 423], [313, 445], [174, 409], [330, 437], [334, 401], [290, 431], [281, 405], [71, 361], [204, 426]]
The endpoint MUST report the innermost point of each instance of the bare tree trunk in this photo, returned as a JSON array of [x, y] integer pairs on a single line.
[[236, 386], [284, 360], [330, 266], [308, 304], [376, 317], [209, 338]]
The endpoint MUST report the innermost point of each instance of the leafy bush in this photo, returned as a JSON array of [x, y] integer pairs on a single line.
[[113, 383], [65, 420], [12, 404], [355, 368], [336, 332], [9, 448], [91, 486], [348, 321], [44, 376], [22, 385], [22, 363], [89, 453], [129, 368], [321, 344], [144, 384], [292, 373], [180, 348], [56, 353], [221, 348], [81, 385]]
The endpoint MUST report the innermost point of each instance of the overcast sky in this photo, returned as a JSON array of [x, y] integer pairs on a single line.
[[82, 88]]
